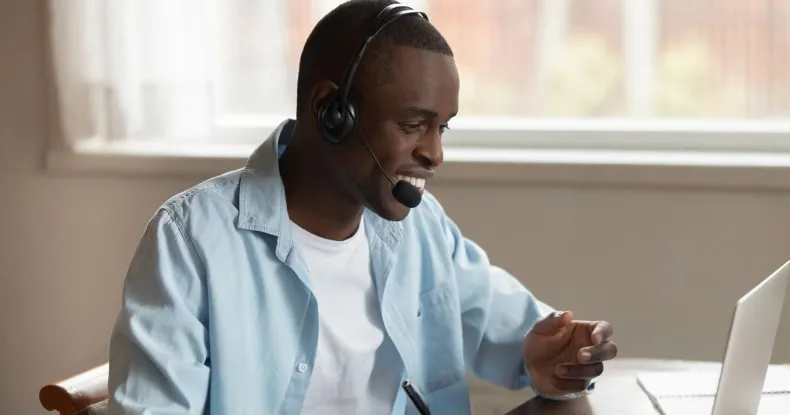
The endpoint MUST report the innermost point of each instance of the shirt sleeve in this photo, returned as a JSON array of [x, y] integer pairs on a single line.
[[158, 347], [497, 311]]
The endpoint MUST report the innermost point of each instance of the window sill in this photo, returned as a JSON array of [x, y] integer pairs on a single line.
[[465, 165]]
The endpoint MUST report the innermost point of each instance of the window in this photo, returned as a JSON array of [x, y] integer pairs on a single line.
[[534, 72]]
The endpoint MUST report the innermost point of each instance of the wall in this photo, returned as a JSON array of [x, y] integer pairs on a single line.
[[664, 265]]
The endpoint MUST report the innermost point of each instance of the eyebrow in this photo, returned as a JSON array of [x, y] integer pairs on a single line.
[[424, 112]]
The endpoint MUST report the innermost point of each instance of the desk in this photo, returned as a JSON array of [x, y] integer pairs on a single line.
[[616, 391]]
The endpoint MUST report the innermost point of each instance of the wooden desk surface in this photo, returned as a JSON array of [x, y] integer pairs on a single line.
[[616, 391]]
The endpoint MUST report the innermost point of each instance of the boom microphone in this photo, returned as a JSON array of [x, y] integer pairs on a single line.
[[404, 192]]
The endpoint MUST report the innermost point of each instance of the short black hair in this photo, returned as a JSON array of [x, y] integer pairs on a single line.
[[337, 37]]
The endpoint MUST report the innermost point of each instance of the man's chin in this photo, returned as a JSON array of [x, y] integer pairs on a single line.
[[392, 210], [395, 215]]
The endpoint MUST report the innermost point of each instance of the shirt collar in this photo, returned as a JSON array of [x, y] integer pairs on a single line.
[[261, 192], [262, 205]]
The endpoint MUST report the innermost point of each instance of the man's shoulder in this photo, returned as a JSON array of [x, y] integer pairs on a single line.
[[217, 196]]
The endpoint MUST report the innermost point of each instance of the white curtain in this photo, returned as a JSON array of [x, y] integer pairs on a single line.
[[152, 69], [76, 39]]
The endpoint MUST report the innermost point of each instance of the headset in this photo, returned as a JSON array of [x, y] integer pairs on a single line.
[[337, 115]]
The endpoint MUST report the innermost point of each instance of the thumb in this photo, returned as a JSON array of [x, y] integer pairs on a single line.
[[552, 323]]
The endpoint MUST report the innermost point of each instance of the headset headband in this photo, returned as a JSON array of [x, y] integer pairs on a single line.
[[385, 17]]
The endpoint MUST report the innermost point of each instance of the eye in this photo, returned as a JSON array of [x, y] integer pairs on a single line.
[[412, 127], [443, 128]]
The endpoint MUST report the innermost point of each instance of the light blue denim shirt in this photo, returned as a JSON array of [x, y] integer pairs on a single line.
[[218, 316]]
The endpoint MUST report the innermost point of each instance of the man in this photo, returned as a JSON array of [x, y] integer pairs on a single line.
[[302, 284]]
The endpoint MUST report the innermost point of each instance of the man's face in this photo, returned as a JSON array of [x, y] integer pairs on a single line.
[[403, 120]]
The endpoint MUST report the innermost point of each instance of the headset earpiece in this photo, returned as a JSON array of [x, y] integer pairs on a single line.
[[336, 119]]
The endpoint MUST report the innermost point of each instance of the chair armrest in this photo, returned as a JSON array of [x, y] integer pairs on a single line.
[[76, 393]]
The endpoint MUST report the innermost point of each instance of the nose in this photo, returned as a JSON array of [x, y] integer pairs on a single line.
[[429, 151]]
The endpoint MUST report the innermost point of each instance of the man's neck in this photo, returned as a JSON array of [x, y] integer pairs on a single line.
[[314, 201]]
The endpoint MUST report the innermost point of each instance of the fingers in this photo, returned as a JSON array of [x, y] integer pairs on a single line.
[[600, 353], [576, 377], [580, 371], [570, 385], [601, 332], [553, 323]]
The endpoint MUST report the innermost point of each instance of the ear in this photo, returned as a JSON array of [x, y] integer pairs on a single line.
[[320, 93]]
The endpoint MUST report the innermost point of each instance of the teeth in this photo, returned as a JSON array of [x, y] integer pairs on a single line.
[[415, 181]]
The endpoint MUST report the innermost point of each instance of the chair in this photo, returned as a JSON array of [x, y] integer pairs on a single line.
[[82, 394]]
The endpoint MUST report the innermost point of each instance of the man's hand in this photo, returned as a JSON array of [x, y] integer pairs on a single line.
[[563, 355]]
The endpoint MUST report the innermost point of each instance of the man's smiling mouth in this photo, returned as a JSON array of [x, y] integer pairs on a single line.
[[417, 182]]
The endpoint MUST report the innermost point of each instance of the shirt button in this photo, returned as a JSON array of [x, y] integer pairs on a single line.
[[301, 367]]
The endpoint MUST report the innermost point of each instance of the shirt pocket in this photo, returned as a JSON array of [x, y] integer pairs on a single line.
[[440, 333]]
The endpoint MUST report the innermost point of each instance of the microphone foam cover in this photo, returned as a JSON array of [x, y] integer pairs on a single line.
[[407, 194]]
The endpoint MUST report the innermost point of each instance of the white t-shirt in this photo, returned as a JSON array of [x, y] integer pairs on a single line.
[[357, 367]]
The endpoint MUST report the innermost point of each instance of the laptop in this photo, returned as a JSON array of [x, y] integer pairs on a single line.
[[746, 382]]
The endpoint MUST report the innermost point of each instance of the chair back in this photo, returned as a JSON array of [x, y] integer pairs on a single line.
[[81, 394]]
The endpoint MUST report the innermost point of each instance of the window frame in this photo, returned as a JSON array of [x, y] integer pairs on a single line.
[[464, 166], [659, 134], [640, 132]]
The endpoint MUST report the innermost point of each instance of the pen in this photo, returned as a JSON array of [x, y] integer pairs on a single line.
[[416, 399]]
